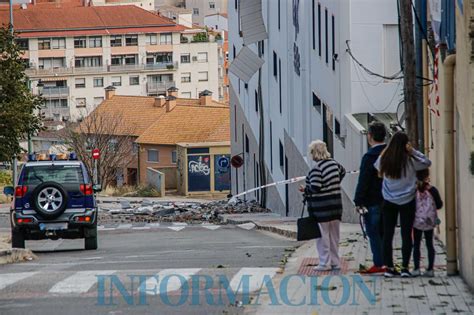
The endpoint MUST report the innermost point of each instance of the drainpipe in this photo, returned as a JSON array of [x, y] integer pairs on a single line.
[[449, 170]]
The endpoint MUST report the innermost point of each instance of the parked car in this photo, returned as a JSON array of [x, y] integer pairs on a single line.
[[54, 199]]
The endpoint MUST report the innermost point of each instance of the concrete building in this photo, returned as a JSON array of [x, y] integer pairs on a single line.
[[311, 87], [180, 15], [76, 51], [217, 22], [203, 8]]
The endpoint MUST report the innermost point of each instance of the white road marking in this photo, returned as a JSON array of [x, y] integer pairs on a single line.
[[103, 228], [255, 278], [176, 228], [124, 226], [211, 227], [175, 278], [141, 228], [7, 279], [247, 226], [180, 224], [80, 282], [154, 225]]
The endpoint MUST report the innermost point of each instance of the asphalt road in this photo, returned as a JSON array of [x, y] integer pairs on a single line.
[[164, 270]]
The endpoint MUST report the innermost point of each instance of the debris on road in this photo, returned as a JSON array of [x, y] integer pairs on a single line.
[[149, 211]]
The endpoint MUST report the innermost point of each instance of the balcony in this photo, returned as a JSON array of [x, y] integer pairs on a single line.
[[56, 113], [38, 73], [55, 92], [155, 88]]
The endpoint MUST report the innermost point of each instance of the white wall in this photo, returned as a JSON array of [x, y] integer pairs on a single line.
[[217, 22], [220, 6]]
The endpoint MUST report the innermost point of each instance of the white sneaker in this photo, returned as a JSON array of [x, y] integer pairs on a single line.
[[322, 268], [416, 273], [428, 274]]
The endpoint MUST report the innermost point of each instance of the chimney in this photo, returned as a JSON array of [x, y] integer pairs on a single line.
[[109, 92], [205, 98], [173, 91], [160, 101], [170, 103]]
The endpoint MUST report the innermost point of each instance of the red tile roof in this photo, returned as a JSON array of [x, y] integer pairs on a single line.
[[49, 21]]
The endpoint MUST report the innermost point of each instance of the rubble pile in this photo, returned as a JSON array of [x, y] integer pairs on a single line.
[[149, 211]]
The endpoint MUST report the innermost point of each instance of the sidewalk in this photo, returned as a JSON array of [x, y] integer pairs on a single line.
[[324, 290]]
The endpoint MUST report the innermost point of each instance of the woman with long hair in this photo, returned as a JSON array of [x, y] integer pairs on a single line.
[[398, 165], [323, 197]]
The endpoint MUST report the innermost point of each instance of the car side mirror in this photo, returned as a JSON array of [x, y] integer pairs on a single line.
[[97, 188], [9, 190]]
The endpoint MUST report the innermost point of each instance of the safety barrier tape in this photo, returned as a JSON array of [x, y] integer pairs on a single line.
[[281, 182]]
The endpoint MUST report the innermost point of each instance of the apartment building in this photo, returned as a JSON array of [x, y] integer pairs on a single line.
[[203, 8], [311, 87], [72, 53]]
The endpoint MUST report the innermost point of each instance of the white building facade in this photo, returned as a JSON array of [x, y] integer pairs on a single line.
[[203, 8], [311, 89]]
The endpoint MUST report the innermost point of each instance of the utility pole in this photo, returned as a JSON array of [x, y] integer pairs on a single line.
[[409, 70]]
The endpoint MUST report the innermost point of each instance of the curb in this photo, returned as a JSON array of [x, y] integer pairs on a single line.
[[268, 228]]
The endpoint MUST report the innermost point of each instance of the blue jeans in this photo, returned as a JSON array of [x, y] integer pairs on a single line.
[[373, 225]]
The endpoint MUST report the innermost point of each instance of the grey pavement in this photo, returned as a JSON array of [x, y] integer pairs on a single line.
[[64, 278]]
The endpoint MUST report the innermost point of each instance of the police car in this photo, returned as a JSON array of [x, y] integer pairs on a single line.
[[54, 199]]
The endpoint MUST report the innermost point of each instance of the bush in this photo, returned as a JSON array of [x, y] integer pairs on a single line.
[[200, 37], [5, 178]]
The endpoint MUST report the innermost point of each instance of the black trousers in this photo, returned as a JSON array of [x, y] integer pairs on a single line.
[[390, 216], [418, 234]]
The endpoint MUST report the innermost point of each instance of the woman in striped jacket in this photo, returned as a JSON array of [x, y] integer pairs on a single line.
[[323, 197]]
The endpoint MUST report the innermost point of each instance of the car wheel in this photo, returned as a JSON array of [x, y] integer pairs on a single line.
[[90, 241], [50, 200], [18, 239]]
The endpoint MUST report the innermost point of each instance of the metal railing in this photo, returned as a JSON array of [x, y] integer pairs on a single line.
[[50, 92], [56, 112], [159, 87]]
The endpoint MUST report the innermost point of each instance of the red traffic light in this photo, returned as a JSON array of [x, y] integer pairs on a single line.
[[95, 154]]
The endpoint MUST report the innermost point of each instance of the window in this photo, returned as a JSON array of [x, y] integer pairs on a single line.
[[233, 52], [95, 41], [98, 82], [153, 156], [333, 28], [51, 63], [326, 30], [44, 43], [271, 146], [160, 57], [134, 80], [319, 30], [337, 128], [80, 83], [56, 103], [282, 156], [256, 101], [279, 84], [80, 102], [212, 5], [58, 43], [98, 100], [131, 40], [186, 77], [185, 58], [247, 144], [81, 62], [196, 11], [313, 21], [202, 76], [22, 43], [174, 157], [279, 13], [166, 39], [202, 57], [316, 102], [131, 59], [275, 64], [186, 94], [80, 42], [115, 40], [117, 81], [151, 39]]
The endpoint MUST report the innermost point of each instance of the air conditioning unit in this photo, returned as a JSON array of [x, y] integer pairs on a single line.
[[195, 58]]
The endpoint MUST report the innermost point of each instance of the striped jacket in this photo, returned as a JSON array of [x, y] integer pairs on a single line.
[[323, 190]]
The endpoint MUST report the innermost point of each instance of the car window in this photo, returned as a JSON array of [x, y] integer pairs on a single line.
[[62, 174]]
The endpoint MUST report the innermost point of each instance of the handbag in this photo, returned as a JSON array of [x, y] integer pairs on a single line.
[[308, 228]]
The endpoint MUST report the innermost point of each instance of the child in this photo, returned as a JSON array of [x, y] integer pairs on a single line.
[[428, 201]]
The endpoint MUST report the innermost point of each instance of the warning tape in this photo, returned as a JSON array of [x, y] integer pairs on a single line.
[[281, 182]]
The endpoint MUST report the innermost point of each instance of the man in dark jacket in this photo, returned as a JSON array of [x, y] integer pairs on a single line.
[[369, 193]]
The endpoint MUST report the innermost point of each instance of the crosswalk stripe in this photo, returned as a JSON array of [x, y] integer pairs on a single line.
[[154, 225], [141, 228], [176, 228], [174, 283], [180, 224], [256, 276], [80, 282], [211, 227], [7, 279], [247, 226]]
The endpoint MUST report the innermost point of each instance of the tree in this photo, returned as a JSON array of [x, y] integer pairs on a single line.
[[19, 108], [109, 134]]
